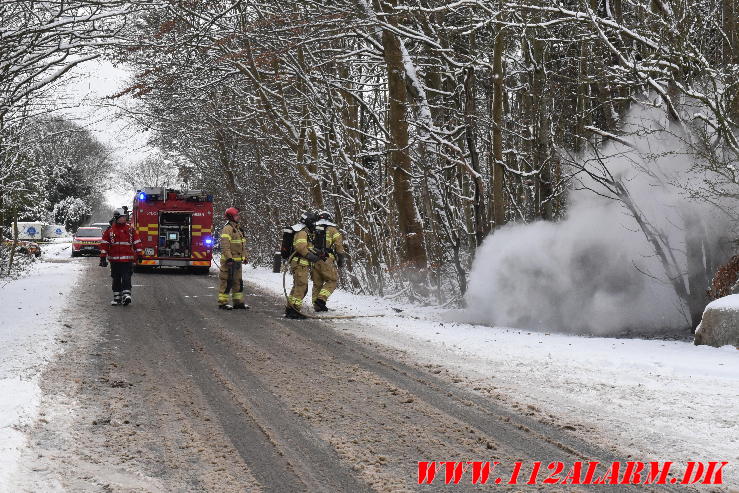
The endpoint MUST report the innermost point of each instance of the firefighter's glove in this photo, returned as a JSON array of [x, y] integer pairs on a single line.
[[323, 255], [140, 258], [229, 262], [103, 262], [340, 260], [312, 257]]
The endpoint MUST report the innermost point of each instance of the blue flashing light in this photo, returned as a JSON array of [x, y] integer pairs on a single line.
[[142, 196], [208, 241]]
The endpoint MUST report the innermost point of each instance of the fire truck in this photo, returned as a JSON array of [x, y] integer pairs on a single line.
[[175, 227]]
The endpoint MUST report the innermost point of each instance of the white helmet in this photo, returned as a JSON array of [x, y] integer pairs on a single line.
[[325, 215]]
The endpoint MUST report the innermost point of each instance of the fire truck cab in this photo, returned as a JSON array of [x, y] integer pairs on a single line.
[[175, 228]]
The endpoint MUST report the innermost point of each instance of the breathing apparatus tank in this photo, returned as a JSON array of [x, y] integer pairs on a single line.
[[286, 249], [319, 238], [277, 262]]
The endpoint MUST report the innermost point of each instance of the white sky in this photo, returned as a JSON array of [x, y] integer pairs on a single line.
[[82, 98]]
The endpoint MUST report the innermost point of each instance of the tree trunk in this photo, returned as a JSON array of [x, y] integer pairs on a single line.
[[2, 208], [662, 249], [540, 137], [731, 31], [224, 157], [309, 172], [497, 173], [731, 45], [2, 184], [409, 221], [581, 97], [698, 277], [315, 183], [15, 242], [470, 118]]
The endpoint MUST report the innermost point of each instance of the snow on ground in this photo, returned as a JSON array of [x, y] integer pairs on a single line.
[[30, 310], [654, 399]]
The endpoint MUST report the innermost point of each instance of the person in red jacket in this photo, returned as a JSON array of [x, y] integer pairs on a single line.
[[120, 245]]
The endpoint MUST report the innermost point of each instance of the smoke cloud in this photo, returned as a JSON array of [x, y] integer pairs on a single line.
[[595, 271]]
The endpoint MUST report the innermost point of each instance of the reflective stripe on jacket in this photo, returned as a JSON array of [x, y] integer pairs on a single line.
[[302, 246], [334, 240], [233, 242], [120, 243]]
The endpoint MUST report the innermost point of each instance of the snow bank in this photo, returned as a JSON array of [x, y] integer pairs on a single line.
[[30, 310], [720, 323], [655, 399], [730, 302]]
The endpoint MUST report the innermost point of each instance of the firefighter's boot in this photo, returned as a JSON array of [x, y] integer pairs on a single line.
[[291, 312], [320, 305], [225, 306], [126, 300], [240, 306]]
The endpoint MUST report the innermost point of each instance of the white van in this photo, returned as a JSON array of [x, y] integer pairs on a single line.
[[54, 231], [30, 231]]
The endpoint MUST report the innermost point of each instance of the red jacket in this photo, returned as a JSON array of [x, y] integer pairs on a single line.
[[120, 243]]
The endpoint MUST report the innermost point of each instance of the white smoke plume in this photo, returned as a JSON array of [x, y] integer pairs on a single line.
[[595, 271]]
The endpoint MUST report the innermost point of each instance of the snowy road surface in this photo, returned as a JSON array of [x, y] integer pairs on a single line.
[[666, 400], [30, 323], [171, 394]]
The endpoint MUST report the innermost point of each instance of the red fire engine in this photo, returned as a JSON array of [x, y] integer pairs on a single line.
[[175, 228]]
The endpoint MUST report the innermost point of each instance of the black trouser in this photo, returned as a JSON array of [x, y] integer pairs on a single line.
[[121, 274]]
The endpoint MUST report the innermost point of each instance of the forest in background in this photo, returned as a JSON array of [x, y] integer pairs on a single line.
[[423, 125]]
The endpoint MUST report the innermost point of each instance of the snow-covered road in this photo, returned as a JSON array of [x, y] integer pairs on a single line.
[[659, 400], [29, 325], [178, 395]]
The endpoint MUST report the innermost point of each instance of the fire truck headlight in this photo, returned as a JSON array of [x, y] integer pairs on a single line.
[[142, 196]]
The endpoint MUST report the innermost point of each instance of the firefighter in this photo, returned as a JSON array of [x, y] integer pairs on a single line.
[[233, 255], [324, 272], [300, 264], [119, 245]]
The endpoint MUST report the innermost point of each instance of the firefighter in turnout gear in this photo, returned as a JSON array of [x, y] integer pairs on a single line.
[[300, 264], [120, 245], [330, 248], [233, 255]]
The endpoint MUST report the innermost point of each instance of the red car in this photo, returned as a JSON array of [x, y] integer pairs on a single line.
[[25, 247], [86, 241]]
